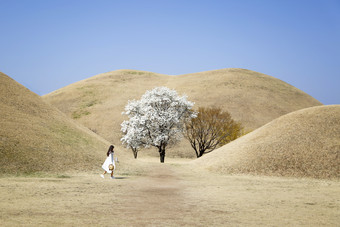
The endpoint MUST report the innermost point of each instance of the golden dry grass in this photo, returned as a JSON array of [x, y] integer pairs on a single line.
[[168, 195], [251, 97], [305, 143], [37, 137]]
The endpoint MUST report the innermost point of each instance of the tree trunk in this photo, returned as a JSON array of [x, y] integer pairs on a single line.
[[161, 154], [197, 155], [201, 153], [134, 151]]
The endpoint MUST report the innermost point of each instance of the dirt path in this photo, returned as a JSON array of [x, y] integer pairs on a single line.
[[156, 199], [168, 195]]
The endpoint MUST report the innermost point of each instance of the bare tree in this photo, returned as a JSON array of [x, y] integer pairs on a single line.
[[211, 128]]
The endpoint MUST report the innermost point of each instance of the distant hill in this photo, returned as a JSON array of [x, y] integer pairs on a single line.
[[252, 98], [305, 143], [37, 137]]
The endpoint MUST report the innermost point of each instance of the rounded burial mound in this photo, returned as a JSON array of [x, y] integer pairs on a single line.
[[252, 98], [305, 143], [36, 137]]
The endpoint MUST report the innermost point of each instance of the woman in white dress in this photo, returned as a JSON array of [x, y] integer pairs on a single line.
[[109, 164]]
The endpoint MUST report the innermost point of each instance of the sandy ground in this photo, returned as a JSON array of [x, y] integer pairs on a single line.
[[169, 194]]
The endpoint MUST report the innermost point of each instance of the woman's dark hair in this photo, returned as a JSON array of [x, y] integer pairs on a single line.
[[110, 150]]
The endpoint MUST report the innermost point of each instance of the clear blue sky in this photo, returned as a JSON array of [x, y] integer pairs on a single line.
[[48, 44]]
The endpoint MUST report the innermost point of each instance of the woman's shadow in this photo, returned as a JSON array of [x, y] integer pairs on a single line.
[[121, 178]]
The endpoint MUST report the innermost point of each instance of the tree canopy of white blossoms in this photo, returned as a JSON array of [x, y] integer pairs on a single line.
[[157, 119]]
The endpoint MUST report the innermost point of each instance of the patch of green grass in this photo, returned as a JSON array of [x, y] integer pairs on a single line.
[[89, 103], [79, 113], [68, 136], [135, 73], [87, 100], [63, 176], [132, 173], [27, 175]]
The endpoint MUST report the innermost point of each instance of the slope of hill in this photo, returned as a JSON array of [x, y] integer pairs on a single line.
[[252, 98], [305, 143], [37, 137]]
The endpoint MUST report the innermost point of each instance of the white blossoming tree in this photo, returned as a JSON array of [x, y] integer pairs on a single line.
[[157, 119]]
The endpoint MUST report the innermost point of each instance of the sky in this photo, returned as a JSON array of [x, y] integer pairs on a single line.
[[49, 44]]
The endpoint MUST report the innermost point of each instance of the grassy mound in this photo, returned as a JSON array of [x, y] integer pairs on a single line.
[[36, 137], [305, 143], [251, 97]]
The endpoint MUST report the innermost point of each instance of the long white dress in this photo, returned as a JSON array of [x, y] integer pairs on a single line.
[[109, 160]]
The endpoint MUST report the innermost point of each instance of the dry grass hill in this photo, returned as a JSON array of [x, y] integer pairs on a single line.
[[37, 137], [305, 143], [294, 135], [251, 97]]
